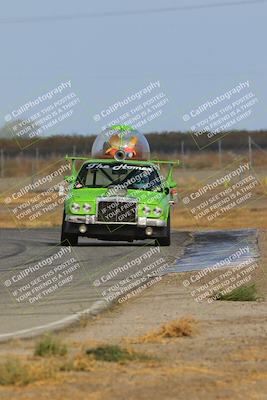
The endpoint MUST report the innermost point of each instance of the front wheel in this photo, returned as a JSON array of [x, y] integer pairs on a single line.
[[67, 239], [166, 240]]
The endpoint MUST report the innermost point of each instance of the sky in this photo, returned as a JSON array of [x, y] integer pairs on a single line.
[[195, 54]]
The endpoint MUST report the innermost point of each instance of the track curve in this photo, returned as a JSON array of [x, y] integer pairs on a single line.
[[40, 291], [21, 251]]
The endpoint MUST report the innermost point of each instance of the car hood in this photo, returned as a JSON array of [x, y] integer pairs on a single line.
[[142, 196]]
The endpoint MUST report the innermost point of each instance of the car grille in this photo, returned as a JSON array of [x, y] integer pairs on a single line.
[[116, 211]]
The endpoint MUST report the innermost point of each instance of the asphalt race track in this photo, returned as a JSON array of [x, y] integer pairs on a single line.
[[44, 286], [21, 315]]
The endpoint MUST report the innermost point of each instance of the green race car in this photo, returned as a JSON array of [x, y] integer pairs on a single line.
[[118, 194]]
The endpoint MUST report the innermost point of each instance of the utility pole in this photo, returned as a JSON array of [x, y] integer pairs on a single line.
[[220, 152], [182, 153], [36, 159], [2, 163], [250, 151], [33, 169]]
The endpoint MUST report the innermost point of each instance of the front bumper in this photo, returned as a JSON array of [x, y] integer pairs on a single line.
[[111, 231], [91, 220]]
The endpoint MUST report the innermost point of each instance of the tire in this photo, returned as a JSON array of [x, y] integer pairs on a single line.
[[166, 240], [67, 238]]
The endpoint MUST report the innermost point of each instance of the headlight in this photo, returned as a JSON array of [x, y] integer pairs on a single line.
[[75, 207], [146, 210], [157, 211], [87, 207]]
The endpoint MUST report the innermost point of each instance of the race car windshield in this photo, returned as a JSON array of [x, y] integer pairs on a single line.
[[95, 175]]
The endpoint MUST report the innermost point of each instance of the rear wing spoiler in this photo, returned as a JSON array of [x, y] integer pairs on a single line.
[[171, 164]]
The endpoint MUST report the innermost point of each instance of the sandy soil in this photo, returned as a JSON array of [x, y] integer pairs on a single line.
[[225, 359]]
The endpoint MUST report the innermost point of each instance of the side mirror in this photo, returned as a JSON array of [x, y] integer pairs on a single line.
[[171, 185], [166, 190], [69, 178]]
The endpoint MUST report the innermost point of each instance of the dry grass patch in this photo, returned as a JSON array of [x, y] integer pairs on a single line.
[[184, 327], [15, 372], [79, 363]]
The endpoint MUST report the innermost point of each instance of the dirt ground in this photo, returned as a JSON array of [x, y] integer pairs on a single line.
[[225, 359]]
